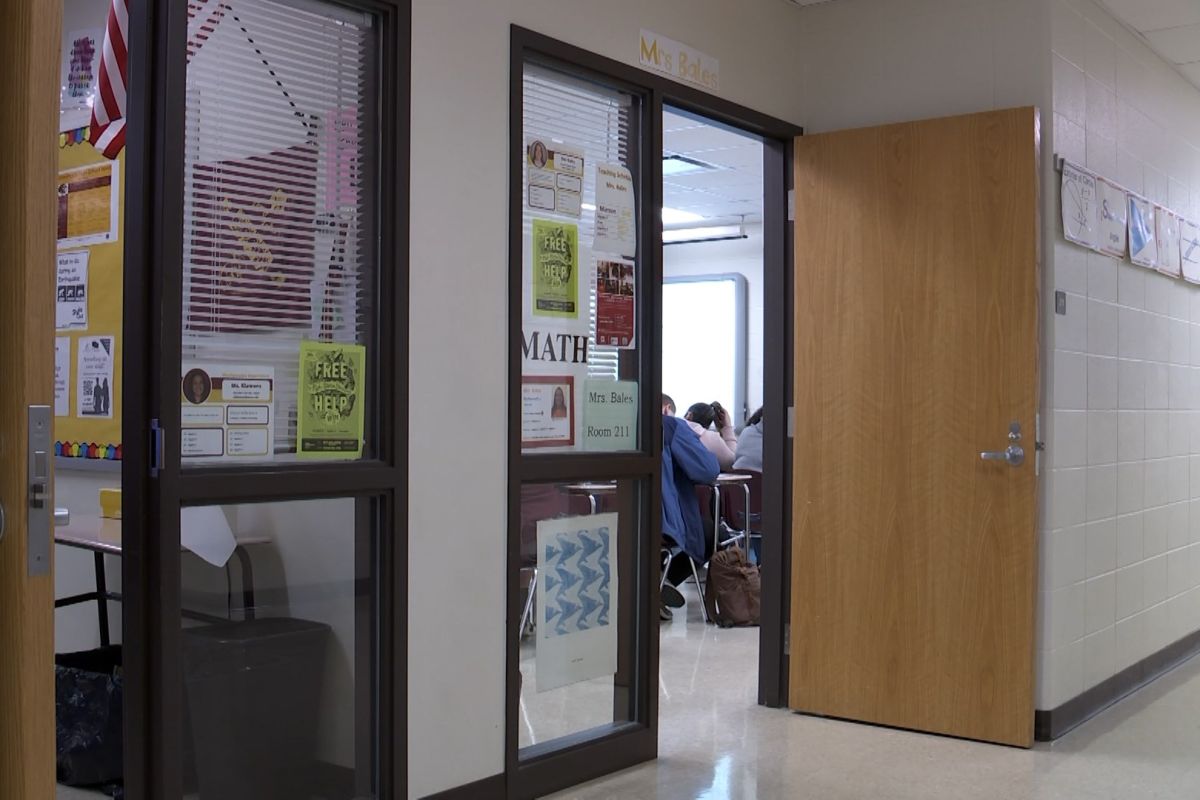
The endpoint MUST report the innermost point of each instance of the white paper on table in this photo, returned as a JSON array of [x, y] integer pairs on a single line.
[[616, 226], [576, 600], [205, 531], [62, 376]]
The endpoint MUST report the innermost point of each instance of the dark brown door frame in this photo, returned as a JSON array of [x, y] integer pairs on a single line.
[[584, 757], [154, 485]]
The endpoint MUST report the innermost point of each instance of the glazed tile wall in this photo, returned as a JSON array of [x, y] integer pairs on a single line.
[[1120, 539]]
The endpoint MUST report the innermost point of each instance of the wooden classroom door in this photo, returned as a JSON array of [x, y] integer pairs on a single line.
[[29, 45], [916, 323]]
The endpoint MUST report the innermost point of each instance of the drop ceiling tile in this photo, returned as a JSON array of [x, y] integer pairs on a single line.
[[1152, 15], [1192, 72], [1177, 45]]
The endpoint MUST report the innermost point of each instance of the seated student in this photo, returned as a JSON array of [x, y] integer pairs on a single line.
[[722, 442], [686, 463], [749, 444]]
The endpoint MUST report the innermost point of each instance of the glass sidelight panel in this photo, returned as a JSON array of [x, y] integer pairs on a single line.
[[280, 260], [582, 289], [279, 649], [580, 543]]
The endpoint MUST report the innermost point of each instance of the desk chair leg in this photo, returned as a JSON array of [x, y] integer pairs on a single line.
[[701, 589], [527, 614], [101, 598]]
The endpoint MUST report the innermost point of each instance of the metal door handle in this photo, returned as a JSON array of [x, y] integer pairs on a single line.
[[1014, 454]]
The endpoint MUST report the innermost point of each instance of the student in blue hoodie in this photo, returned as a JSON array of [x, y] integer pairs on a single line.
[[686, 463]]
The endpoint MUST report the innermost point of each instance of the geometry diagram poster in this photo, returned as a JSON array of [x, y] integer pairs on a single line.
[[576, 600]]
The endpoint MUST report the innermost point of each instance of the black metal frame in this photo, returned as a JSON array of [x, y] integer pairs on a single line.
[[584, 756], [155, 486]]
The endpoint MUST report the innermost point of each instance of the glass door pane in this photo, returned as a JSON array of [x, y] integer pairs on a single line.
[[279, 251]]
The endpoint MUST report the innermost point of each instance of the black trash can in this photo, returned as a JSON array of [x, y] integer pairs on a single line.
[[88, 695], [253, 691]]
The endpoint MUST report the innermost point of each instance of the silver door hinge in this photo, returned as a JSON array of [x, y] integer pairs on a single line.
[[791, 205], [791, 422]]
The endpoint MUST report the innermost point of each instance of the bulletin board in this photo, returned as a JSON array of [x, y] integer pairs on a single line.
[[91, 435]]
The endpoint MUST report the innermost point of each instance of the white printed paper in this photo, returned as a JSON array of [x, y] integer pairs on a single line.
[[227, 412], [205, 531], [1080, 213], [1167, 227], [94, 377], [1143, 240], [576, 600], [71, 292], [554, 176], [62, 376], [1189, 250], [616, 229], [1114, 213]]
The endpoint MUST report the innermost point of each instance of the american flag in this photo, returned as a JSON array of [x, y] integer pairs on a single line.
[[108, 111]]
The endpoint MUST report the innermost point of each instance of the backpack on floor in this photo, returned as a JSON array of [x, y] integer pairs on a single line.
[[732, 593]]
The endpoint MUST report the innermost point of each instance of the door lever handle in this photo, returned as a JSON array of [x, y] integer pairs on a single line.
[[1014, 455]]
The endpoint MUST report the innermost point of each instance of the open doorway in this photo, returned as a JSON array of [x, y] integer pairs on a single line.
[[712, 379]]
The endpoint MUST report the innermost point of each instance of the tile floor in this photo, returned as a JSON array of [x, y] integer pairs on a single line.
[[716, 744]]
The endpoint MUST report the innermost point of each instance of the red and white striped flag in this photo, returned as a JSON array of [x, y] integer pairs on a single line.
[[108, 110]]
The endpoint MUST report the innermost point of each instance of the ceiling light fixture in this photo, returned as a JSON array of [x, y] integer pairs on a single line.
[[677, 216], [711, 233], [675, 164]]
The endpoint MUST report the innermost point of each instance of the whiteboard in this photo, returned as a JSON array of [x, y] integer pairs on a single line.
[[704, 342]]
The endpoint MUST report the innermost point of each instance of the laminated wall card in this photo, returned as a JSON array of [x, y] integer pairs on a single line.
[[616, 229], [1189, 249], [227, 412], [576, 599], [1080, 212], [1114, 213], [553, 176], [94, 377], [1167, 227], [1143, 238], [548, 411], [616, 303], [88, 204], [329, 403], [70, 293]]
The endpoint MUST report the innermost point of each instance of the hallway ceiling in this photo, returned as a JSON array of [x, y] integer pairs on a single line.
[[1170, 27], [727, 185]]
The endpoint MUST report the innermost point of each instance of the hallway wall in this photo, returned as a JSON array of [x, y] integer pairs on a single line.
[[1121, 507]]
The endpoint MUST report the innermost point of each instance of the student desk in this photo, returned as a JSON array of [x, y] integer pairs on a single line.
[[102, 536], [731, 479], [593, 490]]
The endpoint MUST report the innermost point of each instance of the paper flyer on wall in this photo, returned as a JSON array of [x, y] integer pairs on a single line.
[[1114, 211], [1143, 241], [87, 205], [94, 377], [610, 413], [555, 269], [1189, 249], [1080, 213], [330, 400], [616, 303], [1167, 230], [227, 411], [576, 600], [547, 411], [616, 229], [62, 376], [71, 292], [554, 176], [77, 78]]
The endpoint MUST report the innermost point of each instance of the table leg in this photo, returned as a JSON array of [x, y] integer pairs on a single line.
[[101, 598], [247, 582], [746, 521], [716, 517]]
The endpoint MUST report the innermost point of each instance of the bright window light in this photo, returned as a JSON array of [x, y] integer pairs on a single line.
[[675, 216]]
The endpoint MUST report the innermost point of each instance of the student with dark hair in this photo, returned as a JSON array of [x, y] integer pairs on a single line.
[[712, 424], [750, 443]]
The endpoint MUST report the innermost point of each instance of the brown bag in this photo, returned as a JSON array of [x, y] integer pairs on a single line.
[[732, 593]]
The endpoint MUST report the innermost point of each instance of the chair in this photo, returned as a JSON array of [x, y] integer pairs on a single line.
[[754, 524], [540, 501]]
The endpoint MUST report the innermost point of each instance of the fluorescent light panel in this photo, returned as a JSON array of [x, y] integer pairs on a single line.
[[711, 233], [677, 216]]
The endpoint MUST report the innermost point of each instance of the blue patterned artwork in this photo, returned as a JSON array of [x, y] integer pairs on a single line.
[[576, 599], [577, 581]]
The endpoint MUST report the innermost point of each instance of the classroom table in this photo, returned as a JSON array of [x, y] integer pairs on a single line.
[[102, 536], [592, 489], [731, 479]]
